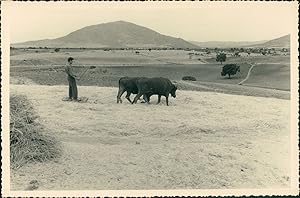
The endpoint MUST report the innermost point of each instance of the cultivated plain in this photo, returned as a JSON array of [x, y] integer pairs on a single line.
[[215, 133]]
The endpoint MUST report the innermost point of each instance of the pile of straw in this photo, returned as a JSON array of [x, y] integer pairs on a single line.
[[27, 141]]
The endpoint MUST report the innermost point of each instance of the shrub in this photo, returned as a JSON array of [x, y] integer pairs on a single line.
[[27, 143], [189, 78], [56, 49]]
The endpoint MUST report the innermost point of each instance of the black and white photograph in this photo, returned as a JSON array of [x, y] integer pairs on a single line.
[[149, 98]]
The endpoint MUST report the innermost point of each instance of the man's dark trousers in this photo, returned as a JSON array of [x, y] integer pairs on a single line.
[[72, 88]]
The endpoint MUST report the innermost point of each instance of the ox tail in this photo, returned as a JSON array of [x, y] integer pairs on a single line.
[[120, 92], [120, 81]]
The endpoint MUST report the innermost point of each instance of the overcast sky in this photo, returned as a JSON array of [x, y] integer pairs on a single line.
[[197, 21]]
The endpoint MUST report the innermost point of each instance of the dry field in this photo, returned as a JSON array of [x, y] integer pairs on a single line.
[[202, 140], [215, 134], [46, 67], [101, 57]]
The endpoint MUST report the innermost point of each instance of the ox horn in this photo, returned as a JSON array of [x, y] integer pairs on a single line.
[[175, 84]]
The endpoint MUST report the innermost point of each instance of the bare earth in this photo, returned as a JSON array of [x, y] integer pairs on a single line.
[[202, 140]]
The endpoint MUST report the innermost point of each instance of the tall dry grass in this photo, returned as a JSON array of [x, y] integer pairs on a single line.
[[27, 141]]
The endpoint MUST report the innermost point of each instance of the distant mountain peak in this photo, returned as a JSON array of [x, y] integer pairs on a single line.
[[112, 34], [121, 21]]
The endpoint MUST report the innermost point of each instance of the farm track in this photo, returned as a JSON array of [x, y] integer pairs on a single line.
[[248, 75], [251, 69]]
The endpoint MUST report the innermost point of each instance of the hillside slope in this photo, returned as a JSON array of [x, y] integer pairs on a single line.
[[113, 34], [281, 42], [226, 44]]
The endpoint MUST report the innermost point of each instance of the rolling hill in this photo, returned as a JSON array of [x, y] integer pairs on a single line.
[[281, 42], [225, 44], [113, 34]]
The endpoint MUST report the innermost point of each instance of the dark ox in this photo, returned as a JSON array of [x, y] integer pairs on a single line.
[[129, 85], [155, 86], [230, 69]]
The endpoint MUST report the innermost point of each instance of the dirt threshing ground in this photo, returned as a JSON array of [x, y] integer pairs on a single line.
[[202, 140]]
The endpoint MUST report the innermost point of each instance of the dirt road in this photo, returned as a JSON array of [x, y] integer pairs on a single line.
[[202, 140]]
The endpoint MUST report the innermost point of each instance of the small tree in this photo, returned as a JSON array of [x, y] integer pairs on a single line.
[[230, 69], [56, 49], [221, 57]]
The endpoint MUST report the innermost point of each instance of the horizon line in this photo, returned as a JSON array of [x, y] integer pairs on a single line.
[[188, 40]]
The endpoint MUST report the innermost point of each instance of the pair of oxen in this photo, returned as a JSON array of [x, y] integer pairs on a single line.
[[146, 87]]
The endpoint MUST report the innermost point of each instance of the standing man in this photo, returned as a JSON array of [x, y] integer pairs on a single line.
[[73, 93]]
